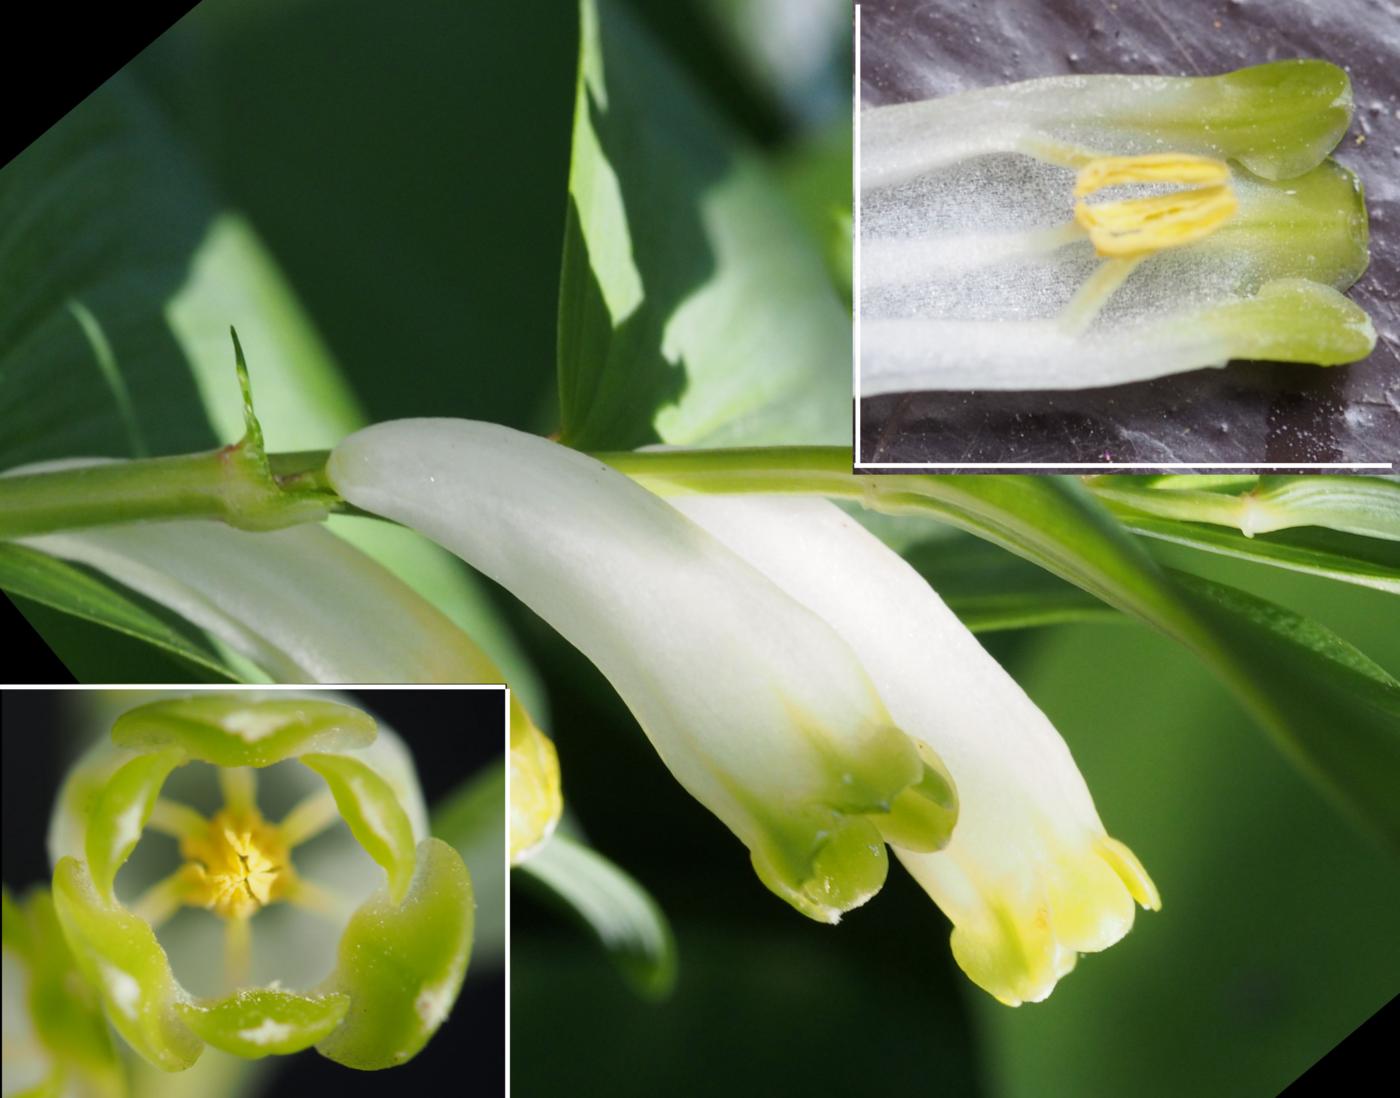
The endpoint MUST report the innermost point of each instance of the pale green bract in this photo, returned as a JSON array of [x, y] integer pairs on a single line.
[[404, 950], [982, 263]]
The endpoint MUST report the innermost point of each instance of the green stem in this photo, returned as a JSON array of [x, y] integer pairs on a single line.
[[235, 484]]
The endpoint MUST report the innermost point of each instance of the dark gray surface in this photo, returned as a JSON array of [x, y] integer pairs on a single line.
[[1247, 412]]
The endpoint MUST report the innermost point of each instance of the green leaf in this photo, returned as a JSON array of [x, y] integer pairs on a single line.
[[1335, 713], [230, 730], [369, 806], [121, 811], [1365, 506], [119, 278], [120, 274], [1330, 554], [403, 964], [694, 308], [472, 819], [624, 918], [262, 1022], [1054, 523], [991, 591], [30, 574]]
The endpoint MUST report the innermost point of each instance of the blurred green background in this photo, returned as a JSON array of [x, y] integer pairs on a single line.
[[406, 167]]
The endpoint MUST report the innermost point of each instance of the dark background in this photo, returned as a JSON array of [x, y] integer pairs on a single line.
[[442, 727], [1247, 412]]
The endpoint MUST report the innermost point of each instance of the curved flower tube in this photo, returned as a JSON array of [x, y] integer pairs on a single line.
[[760, 710], [403, 954], [1030, 878], [1088, 231]]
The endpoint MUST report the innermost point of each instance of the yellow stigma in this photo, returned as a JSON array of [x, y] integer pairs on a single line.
[[237, 866], [1140, 226]]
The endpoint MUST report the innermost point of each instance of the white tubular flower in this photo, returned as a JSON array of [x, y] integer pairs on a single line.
[[1030, 878], [760, 709]]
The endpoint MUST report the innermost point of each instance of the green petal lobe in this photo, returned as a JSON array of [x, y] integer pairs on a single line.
[[263, 1022], [229, 730], [118, 954], [376, 819], [121, 811], [402, 965]]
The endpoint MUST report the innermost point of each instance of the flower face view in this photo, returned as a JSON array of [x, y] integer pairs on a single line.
[[403, 950], [1078, 232]]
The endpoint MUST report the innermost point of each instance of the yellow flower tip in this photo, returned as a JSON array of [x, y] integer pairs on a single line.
[[1141, 226], [536, 799], [238, 866], [1028, 934], [1130, 871]]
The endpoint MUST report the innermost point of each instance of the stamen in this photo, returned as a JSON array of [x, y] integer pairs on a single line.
[[309, 818], [238, 951], [160, 901], [238, 866], [178, 820], [239, 785], [1141, 226]]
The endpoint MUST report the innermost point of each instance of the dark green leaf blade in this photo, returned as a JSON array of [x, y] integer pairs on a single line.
[[694, 307], [1331, 554], [626, 920], [30, 574], [1336, 714]]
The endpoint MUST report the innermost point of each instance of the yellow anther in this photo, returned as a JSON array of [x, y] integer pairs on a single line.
[[238, 866], [1140, 226], [1178, 168]]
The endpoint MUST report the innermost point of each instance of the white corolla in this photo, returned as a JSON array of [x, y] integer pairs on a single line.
[[797, 676]]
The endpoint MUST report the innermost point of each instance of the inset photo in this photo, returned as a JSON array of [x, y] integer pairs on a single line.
[[1111, 237], [253, 892]]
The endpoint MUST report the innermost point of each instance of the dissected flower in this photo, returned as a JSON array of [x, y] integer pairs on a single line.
[[402, 953], [760, 709], [1076, 232]]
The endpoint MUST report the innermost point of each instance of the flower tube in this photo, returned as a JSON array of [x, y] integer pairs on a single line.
[[1030, 879], [1091, 231], [758, 708]]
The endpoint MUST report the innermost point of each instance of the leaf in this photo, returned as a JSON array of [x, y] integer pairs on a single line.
[[1365, 506], [121, 270], [626, 920], [27, 573], [1055, 523], [1330, 554], [990, 590], [1335, 713], [694, 308], [472, 819]]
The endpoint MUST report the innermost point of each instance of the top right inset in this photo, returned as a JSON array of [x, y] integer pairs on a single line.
[[1127, 237]]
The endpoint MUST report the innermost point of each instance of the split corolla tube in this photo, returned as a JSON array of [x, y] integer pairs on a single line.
[[1077, 232]]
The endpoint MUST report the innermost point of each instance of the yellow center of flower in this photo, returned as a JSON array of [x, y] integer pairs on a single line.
[[1140, 226], [237, 866]]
